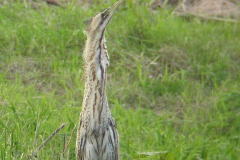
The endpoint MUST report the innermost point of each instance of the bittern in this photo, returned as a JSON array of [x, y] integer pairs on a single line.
[[97, 136]]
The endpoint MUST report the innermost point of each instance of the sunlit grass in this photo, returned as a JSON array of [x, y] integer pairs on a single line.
[[173, 83]]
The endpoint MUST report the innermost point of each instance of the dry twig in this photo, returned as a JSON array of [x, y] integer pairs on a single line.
[[70, 138], [53, 134]]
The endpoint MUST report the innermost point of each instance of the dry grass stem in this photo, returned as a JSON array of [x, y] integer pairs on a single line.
[[49, 138], [70, 138]]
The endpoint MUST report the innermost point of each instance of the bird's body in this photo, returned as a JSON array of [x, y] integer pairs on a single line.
[[97, 137]]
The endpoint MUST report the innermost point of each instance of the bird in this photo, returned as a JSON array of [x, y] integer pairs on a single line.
[[97, 136]]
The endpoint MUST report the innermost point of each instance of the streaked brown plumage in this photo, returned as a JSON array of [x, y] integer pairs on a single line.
[[97, 137]]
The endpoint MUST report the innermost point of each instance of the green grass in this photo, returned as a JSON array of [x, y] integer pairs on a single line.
[[173, 83]]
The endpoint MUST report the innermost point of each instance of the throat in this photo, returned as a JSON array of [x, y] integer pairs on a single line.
[[95, 99], [95, 76]]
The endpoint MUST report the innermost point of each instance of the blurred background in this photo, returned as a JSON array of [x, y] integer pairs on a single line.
[[173, 81]]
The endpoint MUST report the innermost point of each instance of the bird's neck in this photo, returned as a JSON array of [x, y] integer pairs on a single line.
[[95, 76]]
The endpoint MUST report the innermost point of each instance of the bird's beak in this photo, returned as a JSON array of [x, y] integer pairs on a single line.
[[110, 11]]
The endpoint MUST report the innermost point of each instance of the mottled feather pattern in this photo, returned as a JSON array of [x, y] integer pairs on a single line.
[[97, 136]]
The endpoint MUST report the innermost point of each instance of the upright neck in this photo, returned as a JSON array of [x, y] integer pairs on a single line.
[[96, 61], [95, 68]]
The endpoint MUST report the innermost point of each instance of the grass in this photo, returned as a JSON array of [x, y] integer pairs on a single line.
[[173, 83]]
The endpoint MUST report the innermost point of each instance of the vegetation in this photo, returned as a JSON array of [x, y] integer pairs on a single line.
[[173, 83]]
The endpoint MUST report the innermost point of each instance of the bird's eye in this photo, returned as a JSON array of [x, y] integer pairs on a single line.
[[104, 14]]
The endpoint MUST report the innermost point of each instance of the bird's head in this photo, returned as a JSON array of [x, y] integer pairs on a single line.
[[99, 22]]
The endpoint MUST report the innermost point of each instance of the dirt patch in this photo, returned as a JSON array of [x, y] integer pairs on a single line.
[[31, 71], [224, 10]]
